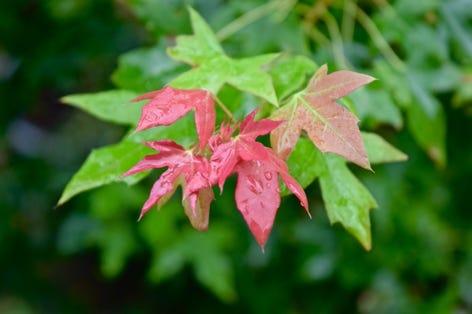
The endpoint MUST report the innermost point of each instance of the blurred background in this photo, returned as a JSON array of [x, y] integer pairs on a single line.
[[91, 256]]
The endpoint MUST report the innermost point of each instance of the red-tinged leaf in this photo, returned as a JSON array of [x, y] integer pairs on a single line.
[[171, 154], [223, 161], [243, 147], [331, 127], [281, 167], [169, 104], [258, 167], [258, 193], [251, 129], [257, 197], [183, 168], [161, 187], [251, 150], [165, 145], [197, 208]]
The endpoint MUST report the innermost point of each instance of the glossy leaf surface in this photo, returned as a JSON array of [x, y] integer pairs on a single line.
[[105, 165], [212, 68], [194, 170], [109, 106], [331, 127], [167, 105], [347, 200], [258, 167]]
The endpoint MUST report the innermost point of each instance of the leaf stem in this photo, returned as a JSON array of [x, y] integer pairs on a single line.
[[224, 108]]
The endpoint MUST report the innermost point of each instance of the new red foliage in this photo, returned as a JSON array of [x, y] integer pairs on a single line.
[[184, 167], [257, 191], [216, 156], [167, 105], [212, 160]]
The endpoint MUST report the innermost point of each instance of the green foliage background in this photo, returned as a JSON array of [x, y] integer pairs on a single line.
[[90, 255]]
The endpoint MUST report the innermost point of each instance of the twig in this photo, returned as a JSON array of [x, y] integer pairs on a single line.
[[337, 40], [379, 40]]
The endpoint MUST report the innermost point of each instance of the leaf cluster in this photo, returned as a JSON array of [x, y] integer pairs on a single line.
[[411, 80], [331, 127]]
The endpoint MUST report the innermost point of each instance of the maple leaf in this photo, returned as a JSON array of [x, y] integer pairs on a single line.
[[212, 68], [331, 127], [258, 167], [229, 151], [258, 194], [167, 105], [257, 197], [190, 170], [347, 200], [197, 208]]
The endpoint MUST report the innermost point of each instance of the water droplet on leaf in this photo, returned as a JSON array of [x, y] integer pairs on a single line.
[[254, 185], [268, 175], [154, 115]]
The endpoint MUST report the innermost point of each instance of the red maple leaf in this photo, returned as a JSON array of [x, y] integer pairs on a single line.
[[227, 150], [169, 104], [258, 167], [190, 170], [331, 127]]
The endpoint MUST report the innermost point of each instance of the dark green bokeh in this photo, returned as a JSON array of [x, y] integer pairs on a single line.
[[91, 255]]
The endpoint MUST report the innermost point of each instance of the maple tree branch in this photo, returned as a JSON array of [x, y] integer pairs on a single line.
[[244, 20], [348, 20], [310, 16], [320, 10], [317, 36], [337, 40], [314, 12], [379, 40], [281, 8]]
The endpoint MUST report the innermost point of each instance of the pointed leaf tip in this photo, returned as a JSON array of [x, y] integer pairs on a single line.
[[257, 197], [203, 51], [347, 200], [168, 105], [331, 127]]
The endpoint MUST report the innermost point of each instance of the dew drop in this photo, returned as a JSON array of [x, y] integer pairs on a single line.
[[150, 116], [254, 185], [253, 189], [245, 206], [156, 114], [268, 175], [166, 184]]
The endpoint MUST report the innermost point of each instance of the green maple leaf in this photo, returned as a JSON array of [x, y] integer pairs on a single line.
[[111, 106], [346, 199], [105, 165], [212, 68]]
